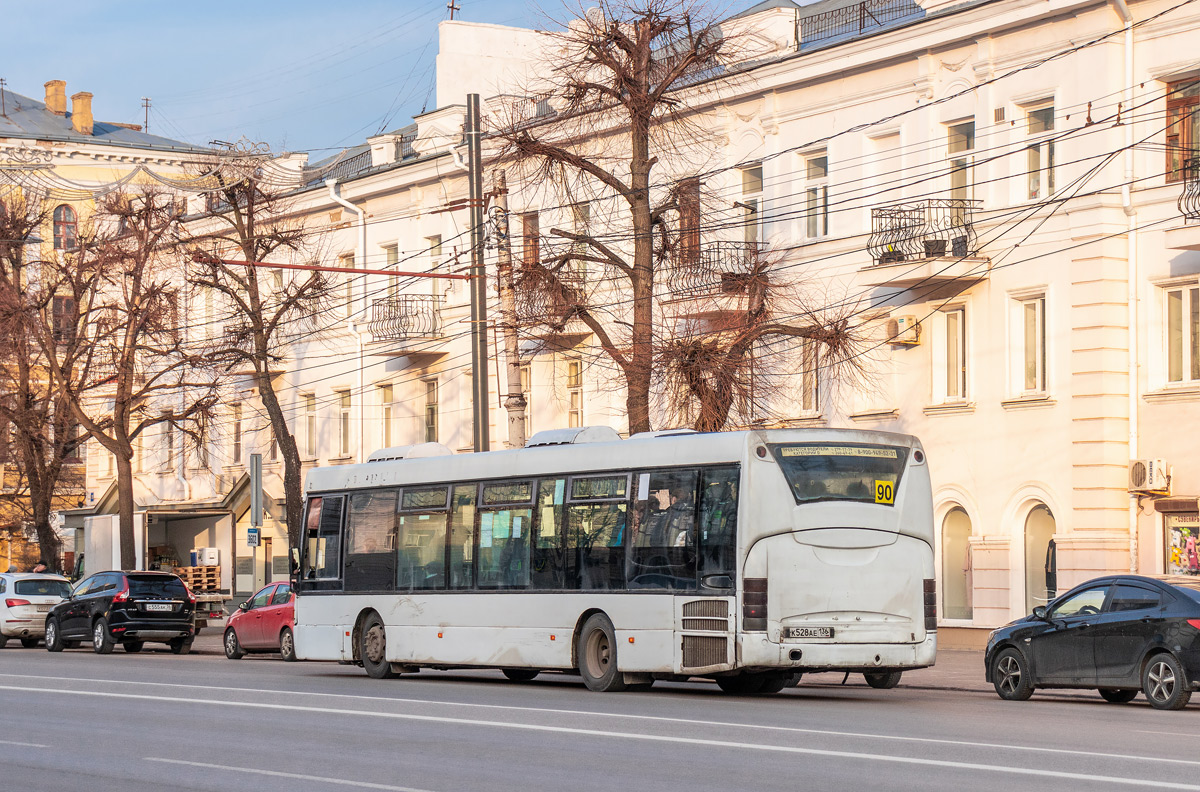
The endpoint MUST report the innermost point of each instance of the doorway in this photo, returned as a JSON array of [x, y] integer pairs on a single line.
[[1041, 558]]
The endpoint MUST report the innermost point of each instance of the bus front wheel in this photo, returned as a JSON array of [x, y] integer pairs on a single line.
[[372, 649], [598, 655]]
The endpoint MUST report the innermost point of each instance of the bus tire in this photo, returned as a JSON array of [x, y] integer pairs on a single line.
[[794, 679], [773, 683], [598, 655], [883, 680], [520, 674], [372, 649], [742, 685]]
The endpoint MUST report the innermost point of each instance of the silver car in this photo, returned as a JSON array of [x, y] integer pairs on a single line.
[[25, 599]]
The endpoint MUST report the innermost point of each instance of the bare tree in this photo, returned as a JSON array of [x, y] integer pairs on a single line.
[[251, 223], [617, 129], [41, 429], [133, 368]]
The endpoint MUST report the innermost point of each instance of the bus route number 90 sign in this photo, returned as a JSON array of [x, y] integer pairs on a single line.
[[885, 492]]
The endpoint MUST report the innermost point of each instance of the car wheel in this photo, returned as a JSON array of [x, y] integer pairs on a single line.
[[598, 655], [520, 674], [372, 649], [742, 685], [1010, 676], [884, 680], [287, 645], [1123, 696], [180, 646], [102, 642], [54, 641], [1164, 683], [233, 647], [29, 643], [133, 647]]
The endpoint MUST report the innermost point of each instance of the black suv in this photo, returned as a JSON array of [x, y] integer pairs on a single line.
[[128, 608]]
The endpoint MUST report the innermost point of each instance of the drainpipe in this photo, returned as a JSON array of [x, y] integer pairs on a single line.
[[353, 327], [1131, 239]]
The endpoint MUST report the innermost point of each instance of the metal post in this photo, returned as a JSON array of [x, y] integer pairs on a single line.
[[479, 377], [256, 514], [514, 401]]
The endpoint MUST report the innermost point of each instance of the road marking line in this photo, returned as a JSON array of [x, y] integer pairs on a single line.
[[656, 718], [660, 738], [23, 745], [278, 774]]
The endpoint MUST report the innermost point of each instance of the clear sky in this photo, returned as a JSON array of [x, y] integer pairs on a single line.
[[305, 75]]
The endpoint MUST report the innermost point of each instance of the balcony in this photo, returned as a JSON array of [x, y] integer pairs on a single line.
[[406, 325], [1187, 236], [546, 298], [711, 270], [924, 243]]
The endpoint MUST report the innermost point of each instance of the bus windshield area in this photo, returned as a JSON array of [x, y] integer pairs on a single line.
[[841, 472]]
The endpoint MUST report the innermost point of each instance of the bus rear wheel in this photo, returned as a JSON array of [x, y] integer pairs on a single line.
[[598, 655], [744, 684], [884, 680], [520, 674], [372, 649]]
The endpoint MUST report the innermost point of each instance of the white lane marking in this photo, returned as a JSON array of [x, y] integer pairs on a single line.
[[660, 738], [657, 718], [23, 745], [278, 774]]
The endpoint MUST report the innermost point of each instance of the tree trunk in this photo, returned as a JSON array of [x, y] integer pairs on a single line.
[[125, 510], [293, 484], [641, 353]]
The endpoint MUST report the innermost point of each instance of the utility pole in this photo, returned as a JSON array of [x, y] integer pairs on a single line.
[[3, 110], [146, 108], [451, 5], [514, 402], [479, 356]]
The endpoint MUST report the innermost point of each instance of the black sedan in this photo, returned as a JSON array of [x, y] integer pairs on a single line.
[[1117, 634], [126, 608]]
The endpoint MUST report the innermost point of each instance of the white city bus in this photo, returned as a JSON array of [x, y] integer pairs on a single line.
[[746, 557]]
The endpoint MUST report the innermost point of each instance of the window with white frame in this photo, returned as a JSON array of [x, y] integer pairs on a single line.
[[346, 290], [751, 204], [1039, 152], [527, 392], [810, 380], [816, 195], [344, 406], [574, 392], [235, 420], [1029, 344], [434, 245], [431, 411], [310, 425], [168, 430], [391, 261], [960, 147], [949, 353], [385, 415], [1182, 314]]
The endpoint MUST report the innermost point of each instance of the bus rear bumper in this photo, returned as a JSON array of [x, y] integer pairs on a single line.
[[757, 652]]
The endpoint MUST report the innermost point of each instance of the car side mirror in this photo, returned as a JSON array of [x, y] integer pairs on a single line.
[[1040, 613], [245, 606]]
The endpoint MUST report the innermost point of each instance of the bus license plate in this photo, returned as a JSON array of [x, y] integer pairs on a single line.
[[159, 606], [810, 632]]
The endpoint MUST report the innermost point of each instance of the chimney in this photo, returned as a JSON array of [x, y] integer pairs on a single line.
[[81, 112], [56, 97]]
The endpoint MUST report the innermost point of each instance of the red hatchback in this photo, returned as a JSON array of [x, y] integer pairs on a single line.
[[264, 623]]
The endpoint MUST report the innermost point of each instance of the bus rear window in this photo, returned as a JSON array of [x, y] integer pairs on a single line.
[[841, 472]]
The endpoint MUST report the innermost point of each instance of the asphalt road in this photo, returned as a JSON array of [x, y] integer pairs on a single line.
[[152, 721]]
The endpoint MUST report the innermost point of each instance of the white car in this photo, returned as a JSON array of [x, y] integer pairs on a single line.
[[25, 599]]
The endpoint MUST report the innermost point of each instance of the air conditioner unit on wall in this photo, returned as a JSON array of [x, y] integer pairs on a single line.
[[904, 330], [1150, 476]]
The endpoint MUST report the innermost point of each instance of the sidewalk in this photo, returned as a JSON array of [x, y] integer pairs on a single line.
[[955, 669]]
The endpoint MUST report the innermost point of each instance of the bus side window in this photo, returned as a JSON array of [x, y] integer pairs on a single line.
[[462, 536], [546, 567], [322, 546], [718, 521], [504, 547], [662, 552], [421, 538], [371, 541]]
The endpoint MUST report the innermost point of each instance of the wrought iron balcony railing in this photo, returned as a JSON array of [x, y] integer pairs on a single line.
[[923, 230], [854, 20], [1189, 199], [711, 268], [548, 297], [406, 317]]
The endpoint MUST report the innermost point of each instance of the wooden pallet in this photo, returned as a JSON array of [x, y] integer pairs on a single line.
[[200, 578]]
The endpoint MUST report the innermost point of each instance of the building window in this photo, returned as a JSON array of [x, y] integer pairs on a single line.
[[530, 239], [1183, 126], [1182, 543], [385, 415], [64, 317], [949, 352], [1040, 152], [273, 448], [810, 377], [343, 398], [751, 204], [689, 221], [346, 285], [310, 425], [277, 282], [1041, 558], [431, 411], [574, 393], [960, 144], [1183, 334], [169, 432], [391, 257], [816, 195], [434, 245], [236, 421], [527, 392], [581, 223], [1031, 320], [65, 228]]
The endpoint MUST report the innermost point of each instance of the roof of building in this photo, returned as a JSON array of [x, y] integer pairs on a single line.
[[30, 119], [765, 5]]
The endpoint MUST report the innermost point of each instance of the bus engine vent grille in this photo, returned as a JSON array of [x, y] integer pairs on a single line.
[[703, 650], [710, 608]]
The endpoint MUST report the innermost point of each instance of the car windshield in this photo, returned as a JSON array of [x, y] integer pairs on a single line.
[[843, 472], [157, 586], [43, 587]]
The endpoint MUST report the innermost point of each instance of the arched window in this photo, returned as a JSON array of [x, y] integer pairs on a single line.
[[956, 565], [64, 227], [1041, 562]]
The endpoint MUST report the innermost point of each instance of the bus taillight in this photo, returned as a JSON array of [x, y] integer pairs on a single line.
[[754, 604], [930, 604]]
